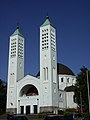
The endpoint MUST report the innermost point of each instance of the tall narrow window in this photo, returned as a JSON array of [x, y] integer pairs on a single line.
[[54, 75], [67, 80], [46, 73], [61, 79]]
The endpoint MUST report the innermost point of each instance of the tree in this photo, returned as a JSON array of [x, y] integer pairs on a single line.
[[81, 92], [2, 96]]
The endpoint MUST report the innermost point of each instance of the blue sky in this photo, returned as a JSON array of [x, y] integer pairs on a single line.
[[71, 19]]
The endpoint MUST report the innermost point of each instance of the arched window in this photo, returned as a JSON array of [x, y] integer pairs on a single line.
[[29, 90]]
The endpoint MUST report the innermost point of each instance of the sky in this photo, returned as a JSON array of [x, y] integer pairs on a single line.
[[71, 18]]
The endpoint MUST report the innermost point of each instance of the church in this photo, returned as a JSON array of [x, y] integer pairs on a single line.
[[52, 89]]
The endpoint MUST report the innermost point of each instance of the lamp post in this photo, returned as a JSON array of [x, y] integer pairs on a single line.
[[88, 91]]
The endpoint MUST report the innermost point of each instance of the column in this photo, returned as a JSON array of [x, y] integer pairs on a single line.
[[24, 109], [18, 108], [32, 108]]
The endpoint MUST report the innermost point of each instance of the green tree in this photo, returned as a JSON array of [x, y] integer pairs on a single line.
[[81, 91], [2, 96]]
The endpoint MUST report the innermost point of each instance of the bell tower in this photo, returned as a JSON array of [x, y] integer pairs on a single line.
[[15, 68], [48, 67]]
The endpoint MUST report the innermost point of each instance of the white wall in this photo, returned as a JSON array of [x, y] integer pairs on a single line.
[[70, 101], [28, 100], [65, 83]]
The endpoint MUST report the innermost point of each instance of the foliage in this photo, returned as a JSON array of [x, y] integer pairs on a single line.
[[70, 110], [2, 96], [60, 112], [81, 91]]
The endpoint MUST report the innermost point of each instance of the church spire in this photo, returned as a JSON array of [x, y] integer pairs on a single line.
[[17, 32], [46, 22]]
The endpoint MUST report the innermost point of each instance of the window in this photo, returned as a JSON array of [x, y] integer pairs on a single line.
[[46, 73], [54, 75], [11, 73], [61, 79], [20, 49], [45, 39], [68, 80], [60, 95]]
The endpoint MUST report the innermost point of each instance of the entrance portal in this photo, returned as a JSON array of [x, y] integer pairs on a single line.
[[35, 109], [28, 109], [22, 109]]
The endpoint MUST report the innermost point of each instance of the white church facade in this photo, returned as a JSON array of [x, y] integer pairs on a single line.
[[53, 87]]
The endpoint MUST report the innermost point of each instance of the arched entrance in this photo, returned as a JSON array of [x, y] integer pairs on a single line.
[[29, 97], [29, 90]]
